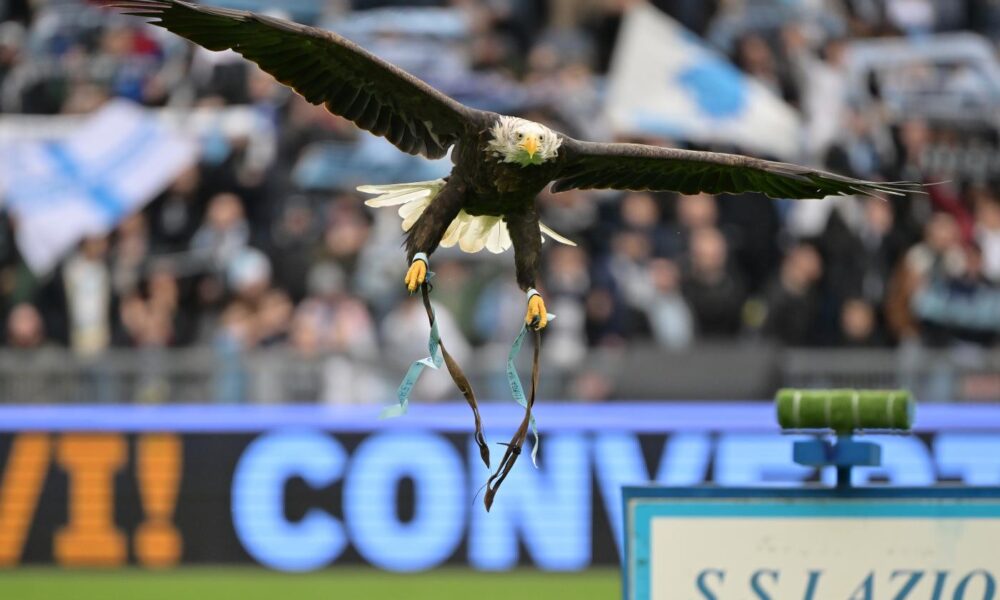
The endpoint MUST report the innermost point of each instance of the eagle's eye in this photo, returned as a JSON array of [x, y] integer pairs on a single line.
[[520, 136]]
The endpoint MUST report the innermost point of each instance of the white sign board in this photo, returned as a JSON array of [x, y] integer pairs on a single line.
[[863, 544]]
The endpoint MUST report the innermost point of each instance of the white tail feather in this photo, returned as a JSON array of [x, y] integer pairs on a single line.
[[472, 233], [411, 211], [398, 198], [555, 236], [451, 235], [494, 237], [434, 184]]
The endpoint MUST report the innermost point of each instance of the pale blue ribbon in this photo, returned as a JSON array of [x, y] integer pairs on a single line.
[[434, 361], [517, 390]]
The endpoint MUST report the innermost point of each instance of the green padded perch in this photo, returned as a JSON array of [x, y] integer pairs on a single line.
[[845, 411]]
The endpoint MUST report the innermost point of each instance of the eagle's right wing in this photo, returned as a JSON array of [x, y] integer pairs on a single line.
[[325, 68], [638, 167]]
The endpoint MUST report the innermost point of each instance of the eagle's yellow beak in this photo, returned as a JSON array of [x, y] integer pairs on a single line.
[[530, 144]]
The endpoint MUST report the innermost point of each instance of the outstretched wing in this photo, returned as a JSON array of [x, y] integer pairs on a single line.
[[589, 165], [325, 68]]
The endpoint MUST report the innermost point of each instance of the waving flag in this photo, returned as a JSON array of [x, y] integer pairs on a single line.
[[666, 81], [60, 191]]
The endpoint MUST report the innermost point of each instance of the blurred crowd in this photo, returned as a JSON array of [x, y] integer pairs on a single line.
[[281, 264]]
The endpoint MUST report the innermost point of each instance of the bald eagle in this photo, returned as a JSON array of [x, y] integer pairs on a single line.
[[500, 162]]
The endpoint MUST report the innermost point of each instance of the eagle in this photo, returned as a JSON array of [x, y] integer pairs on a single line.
[[500, 162]]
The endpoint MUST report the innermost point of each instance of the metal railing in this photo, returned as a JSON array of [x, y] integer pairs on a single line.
[[739, 370]]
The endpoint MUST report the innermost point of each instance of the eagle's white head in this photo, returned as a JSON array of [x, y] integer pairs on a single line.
[[523, 142]]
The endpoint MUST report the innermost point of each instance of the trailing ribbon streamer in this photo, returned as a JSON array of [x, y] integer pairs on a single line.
[[438, 354], [517, 390], [517, 441], [434, 360]]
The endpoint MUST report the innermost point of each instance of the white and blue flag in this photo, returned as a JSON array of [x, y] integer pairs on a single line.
[[665, 81], [62, 190]]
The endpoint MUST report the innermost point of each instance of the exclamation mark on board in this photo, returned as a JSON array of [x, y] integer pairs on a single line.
[[91, 538], [158, 462]]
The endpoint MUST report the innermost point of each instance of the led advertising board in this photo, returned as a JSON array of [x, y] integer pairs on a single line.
[[298, 488]]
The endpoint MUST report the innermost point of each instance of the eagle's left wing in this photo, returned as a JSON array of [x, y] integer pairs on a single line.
[[326, 69], [638, 167]]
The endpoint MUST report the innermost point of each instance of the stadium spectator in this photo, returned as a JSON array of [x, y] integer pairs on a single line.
[[641, 213], [25, 329], [273, 316], [668, 313], [859, 325], [939, 256], [567, 271], [755, 56], [821, 77], [142, 325], [714, 291], [32, 355], [347, 231], [224, 233], [232, 337], [603, 324], [248, 275], [626, 271], [176, 214], [293, 246], [129, 253], [87, 283], [959, 304], [344, 323], [861, 246], [792, 299], [693, 213]]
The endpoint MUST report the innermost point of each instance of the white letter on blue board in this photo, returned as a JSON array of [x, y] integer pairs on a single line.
[[757, 459], [440, 500], [258, 504], [905, 461], [973, 457], [550, 507]]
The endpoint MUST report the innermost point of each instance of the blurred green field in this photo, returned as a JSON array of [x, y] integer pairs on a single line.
[[332, 584]]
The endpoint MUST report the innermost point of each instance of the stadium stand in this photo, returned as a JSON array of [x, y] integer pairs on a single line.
[[259, 276]]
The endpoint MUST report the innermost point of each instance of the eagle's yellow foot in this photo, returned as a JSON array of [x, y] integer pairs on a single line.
[[416, 275], [536, 317]]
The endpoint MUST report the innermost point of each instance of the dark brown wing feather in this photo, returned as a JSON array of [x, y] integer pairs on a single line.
[[588, 165], [325, 68]]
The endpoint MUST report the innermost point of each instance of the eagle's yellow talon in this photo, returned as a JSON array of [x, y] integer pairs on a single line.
[[416, 275], [536, 317]]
